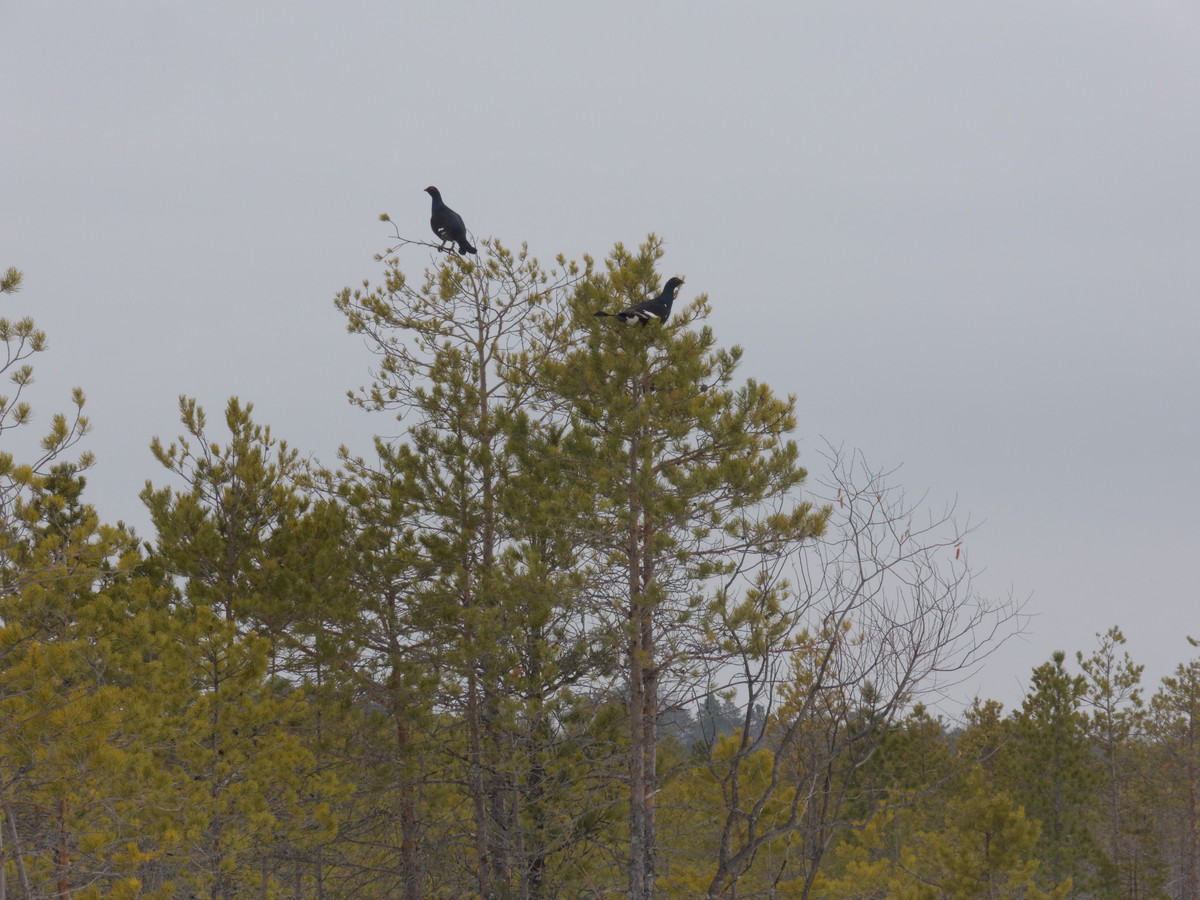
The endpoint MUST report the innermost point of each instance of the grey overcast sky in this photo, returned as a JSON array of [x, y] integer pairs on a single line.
[[965, 235]]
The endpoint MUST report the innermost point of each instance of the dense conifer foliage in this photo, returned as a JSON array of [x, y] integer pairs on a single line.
[[582, 625]]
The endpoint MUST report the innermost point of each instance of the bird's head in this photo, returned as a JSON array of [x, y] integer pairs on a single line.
[[432, 191], [673, 286]]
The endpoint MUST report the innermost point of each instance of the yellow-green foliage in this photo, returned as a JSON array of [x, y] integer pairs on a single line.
[[984, 847], [693, 810]]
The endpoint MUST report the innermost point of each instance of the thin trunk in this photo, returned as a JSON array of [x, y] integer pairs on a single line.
[[478, 788], [514, 745], [220, 886], [649, 761], [489, 859], [63, 853], [650, 748], [637, 686], [1193, 863], [319, 866], [3, 867], [533, 886], [637, 764], [643, 713], [487, 473], [22, 875], [408, 818], [217, 858], [1114, 795], [500, 814], [1190, 859]]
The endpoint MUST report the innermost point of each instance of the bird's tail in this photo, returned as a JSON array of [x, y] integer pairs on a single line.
[[464, 247]]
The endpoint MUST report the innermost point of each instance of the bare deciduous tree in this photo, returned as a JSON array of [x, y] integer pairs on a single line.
[[883, 611]]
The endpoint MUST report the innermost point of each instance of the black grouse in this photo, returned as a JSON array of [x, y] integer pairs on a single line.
[[659, 306], [447, 224]]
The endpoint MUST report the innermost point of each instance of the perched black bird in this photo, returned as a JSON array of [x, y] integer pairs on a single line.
[[447, 224], [643, 312]]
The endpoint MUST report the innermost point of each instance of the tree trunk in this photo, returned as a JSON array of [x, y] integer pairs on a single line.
[[63, 853], [643, 688], [649, 758], [408, 818], [1193, 834], [638, 864], [650, 712], [478, 789], [3, 861], [22, 875], [1114, 794], [637, 763]]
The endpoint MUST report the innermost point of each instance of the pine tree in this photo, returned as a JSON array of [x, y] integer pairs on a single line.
[[986, 849], [1057, 777], [475, 586], [693, 479], [231, 538], [1115, 695], [379, 648], [65, 754], [1174, 727], [945, 832]]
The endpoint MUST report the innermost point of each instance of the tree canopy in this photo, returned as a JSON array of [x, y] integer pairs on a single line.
[[583, 625]]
